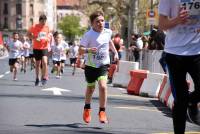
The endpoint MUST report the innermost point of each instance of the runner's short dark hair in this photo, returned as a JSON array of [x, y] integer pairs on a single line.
[[55, 34], [15, 33], [43, 17], [95, 15]]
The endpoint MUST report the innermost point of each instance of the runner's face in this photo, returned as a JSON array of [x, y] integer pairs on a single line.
[[42, 21], [98, 24], [15, 36], [58, 38]]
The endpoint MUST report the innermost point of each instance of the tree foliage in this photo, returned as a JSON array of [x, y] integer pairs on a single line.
[[70, 26], [115, 11]]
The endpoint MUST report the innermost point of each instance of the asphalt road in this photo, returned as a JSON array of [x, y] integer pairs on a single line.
[[57, 108]]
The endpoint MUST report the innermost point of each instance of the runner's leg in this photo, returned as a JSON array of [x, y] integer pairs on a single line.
[[102, 93], [45, 67], [15, 70]]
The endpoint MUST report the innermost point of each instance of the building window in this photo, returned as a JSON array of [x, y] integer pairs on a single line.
[[18, 23], [19, 9], [5, 10], [5, 22], [58, 18], [31, 9], [31, 21]]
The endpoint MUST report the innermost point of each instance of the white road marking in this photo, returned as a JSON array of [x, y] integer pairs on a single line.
[[7, 72], [173, 133], [1, 76], [56, 91], [130, 96], [141, 108], [121, 89]]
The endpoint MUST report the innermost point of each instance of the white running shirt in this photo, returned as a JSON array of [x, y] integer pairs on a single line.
[[101, 41], [15, 48], [58, 51], [183, 39], [26, 50]]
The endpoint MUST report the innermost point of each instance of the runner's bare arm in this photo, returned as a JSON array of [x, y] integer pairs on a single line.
[[166, 23], [112, 47], [83, 50]]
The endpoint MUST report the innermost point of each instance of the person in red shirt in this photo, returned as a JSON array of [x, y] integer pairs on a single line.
[[39, 33], [114, 66]]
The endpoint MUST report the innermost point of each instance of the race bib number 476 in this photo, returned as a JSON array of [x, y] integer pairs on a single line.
[[193, 7]]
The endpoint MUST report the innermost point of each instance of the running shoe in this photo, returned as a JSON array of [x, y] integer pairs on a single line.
[[193, 114], [87, 115], [58, 77], [102, 117], [37, 82], [109, 81], [15, 79], [44, 81]]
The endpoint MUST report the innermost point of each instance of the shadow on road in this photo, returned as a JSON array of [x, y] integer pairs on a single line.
[[161, 107], [78, 128], [73, 125]]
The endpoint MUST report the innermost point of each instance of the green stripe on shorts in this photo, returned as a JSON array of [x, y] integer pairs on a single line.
[[102, 77], [91, 84]]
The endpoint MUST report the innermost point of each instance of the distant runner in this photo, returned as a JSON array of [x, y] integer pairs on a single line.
[[40, 35]]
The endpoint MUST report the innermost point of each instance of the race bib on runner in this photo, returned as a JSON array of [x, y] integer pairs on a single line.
[[101, 54], [41, 35], [193, 24], [101, 57]]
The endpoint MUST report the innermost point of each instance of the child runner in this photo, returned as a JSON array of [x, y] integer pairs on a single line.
[[58, 51], [14, 47], [95, 44]]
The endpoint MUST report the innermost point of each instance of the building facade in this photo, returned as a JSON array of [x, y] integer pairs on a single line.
[[72, 7], [21, 14]]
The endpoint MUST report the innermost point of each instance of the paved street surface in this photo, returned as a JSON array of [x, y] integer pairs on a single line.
[[57, 108]]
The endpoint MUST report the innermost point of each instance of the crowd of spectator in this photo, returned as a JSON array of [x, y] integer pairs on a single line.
[[154, 41]]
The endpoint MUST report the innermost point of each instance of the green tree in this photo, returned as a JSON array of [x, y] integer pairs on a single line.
[[70, 27], [115, 11]]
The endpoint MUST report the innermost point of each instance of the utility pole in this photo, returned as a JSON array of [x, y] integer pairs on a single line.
[[131, 21], [151, 9]]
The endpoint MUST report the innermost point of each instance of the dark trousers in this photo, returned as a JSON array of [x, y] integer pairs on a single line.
[[178, 67], [163, 62], [136, 54]]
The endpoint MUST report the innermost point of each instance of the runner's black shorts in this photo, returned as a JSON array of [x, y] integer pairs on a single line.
[[31, 55], [11, 62], [39, 53], [93, 74], [56, 62], [62, 61], [73, 60]]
